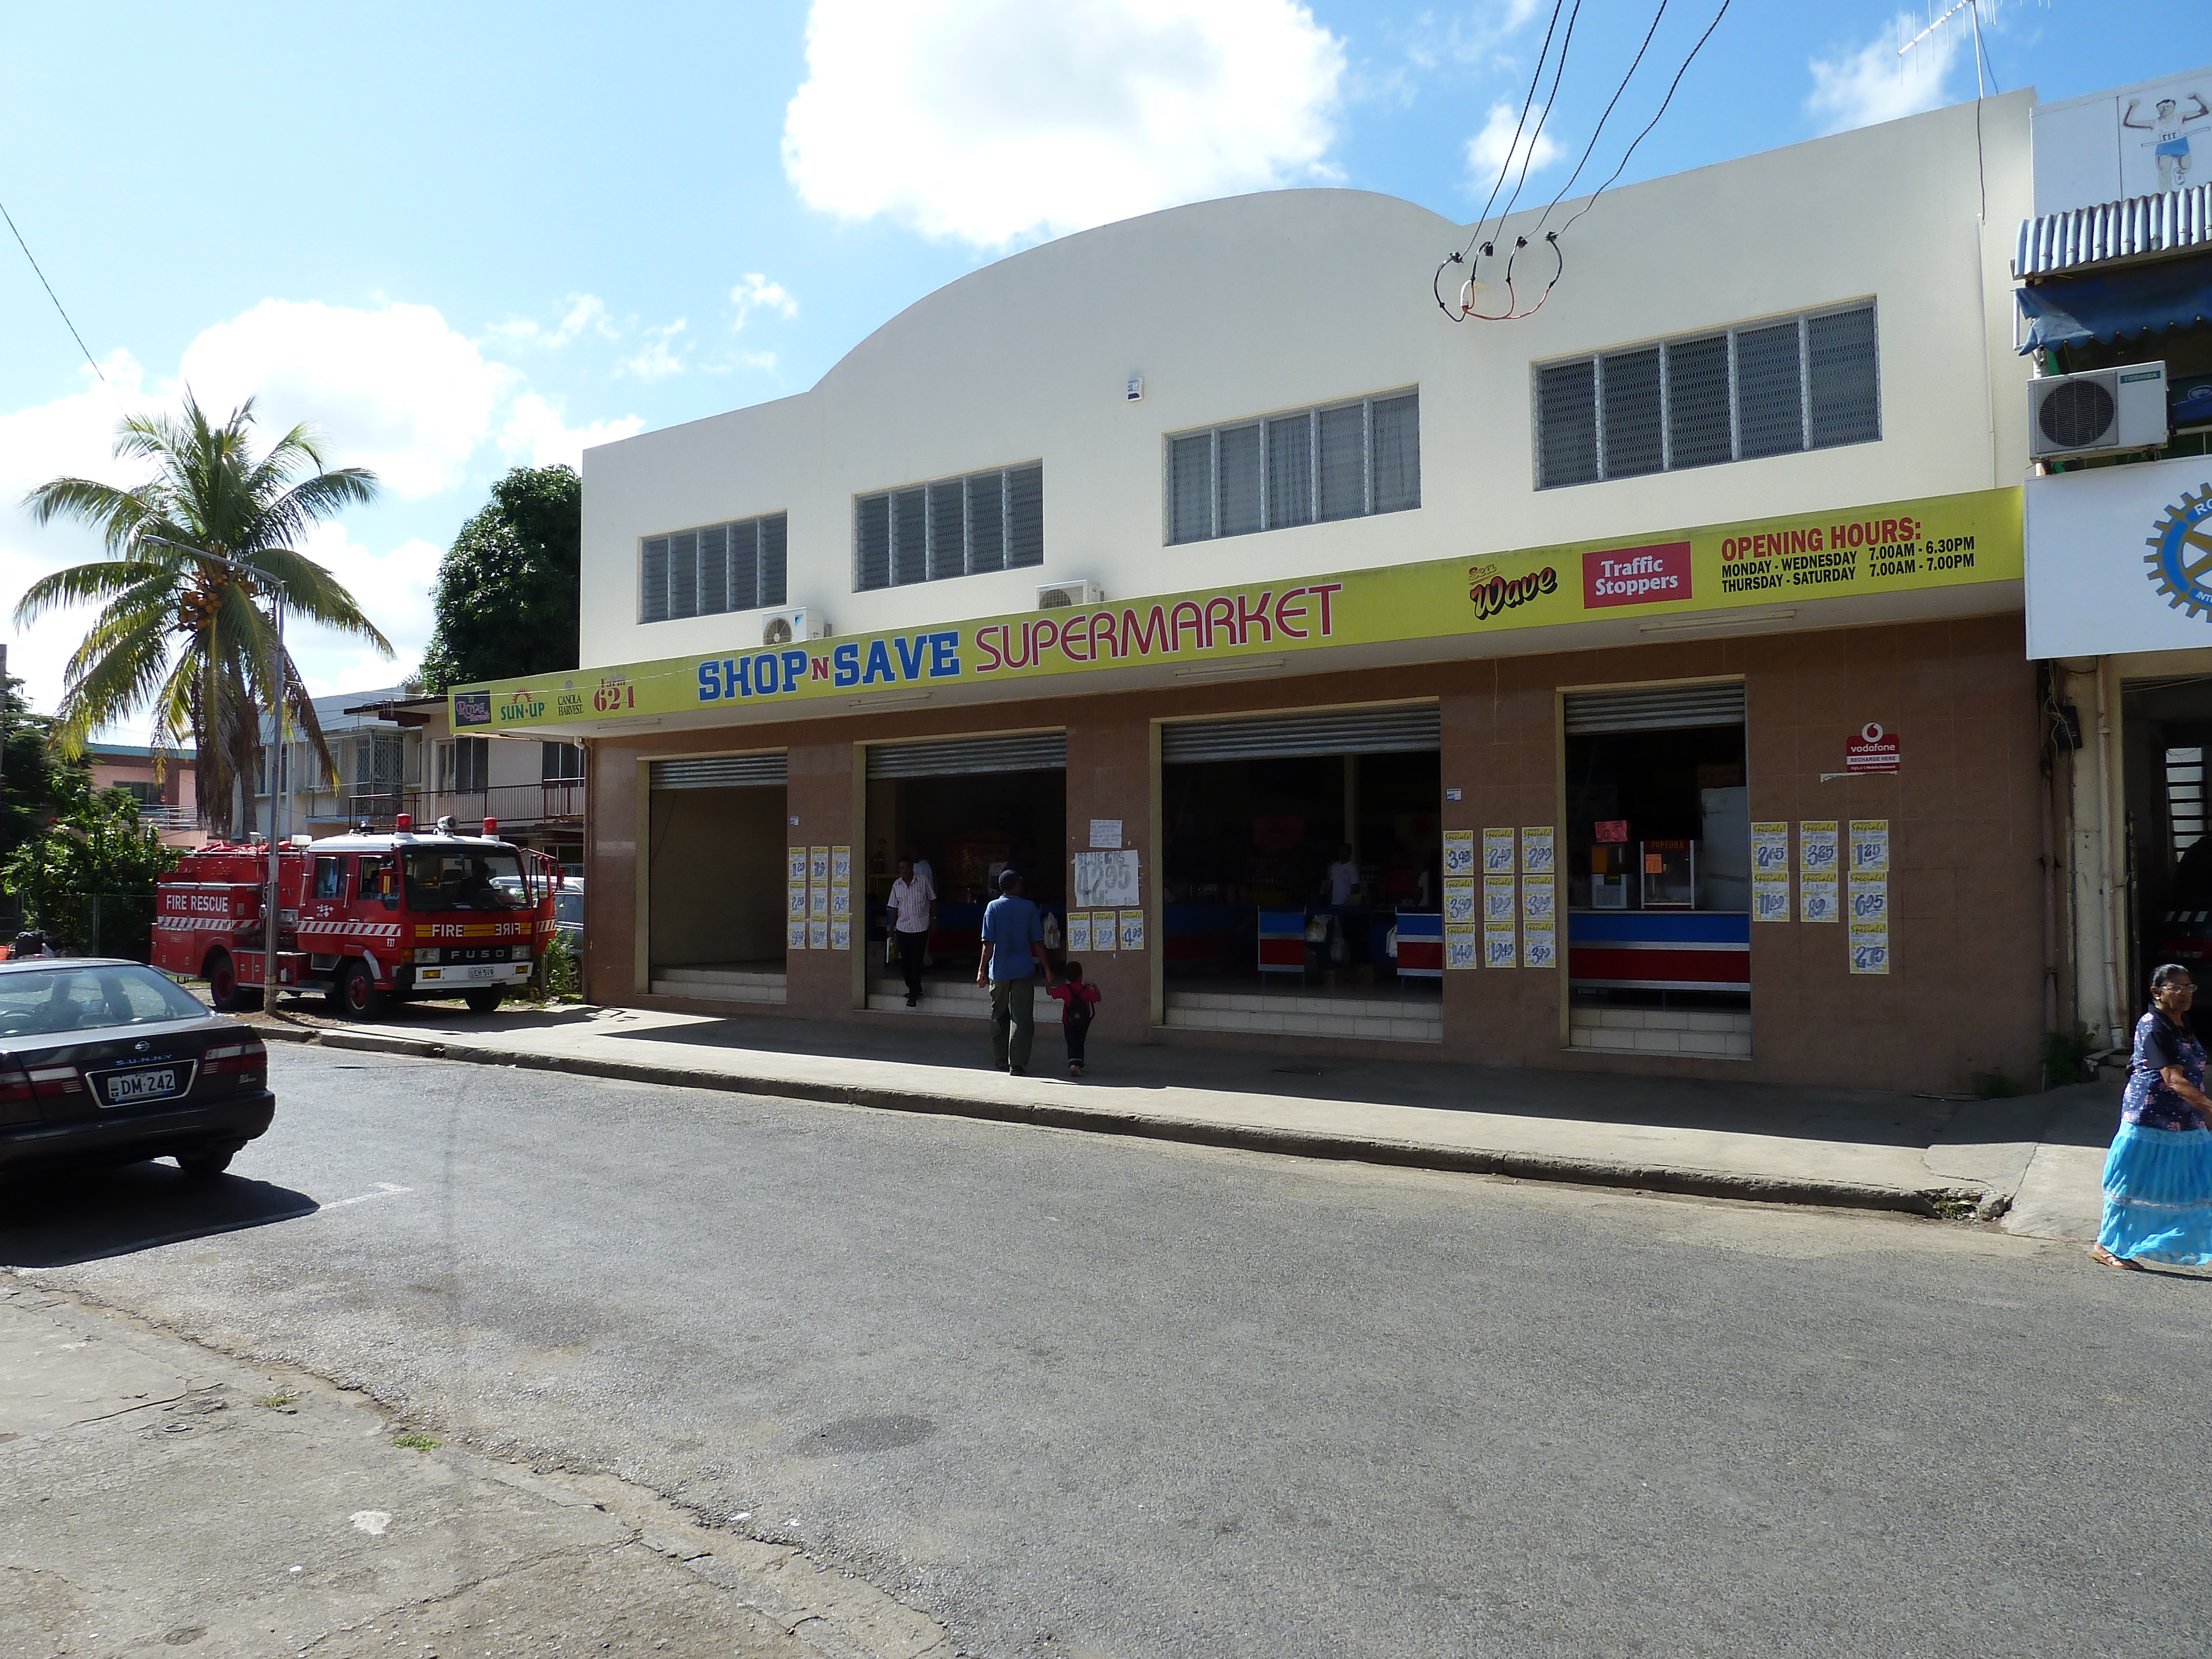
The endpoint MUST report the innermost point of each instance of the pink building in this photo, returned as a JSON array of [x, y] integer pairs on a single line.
[[168, 795]]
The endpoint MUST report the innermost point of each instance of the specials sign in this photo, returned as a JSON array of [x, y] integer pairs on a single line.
[[1945, 541]]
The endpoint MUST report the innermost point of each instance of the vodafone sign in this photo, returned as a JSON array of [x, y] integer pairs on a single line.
[[1873, 750]]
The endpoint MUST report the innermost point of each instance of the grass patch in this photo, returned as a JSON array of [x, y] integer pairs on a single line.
[[279, 1400], [412, 1441]]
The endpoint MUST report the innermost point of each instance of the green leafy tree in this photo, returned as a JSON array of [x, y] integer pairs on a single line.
[[507, 589], [87, 879], [35, 780], [196, 559]]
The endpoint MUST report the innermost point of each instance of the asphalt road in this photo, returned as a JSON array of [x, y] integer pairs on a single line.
[[1079, 1395]]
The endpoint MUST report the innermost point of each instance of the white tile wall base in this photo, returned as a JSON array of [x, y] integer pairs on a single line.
[[1702, 1033], [718, 984], [947, 999], [1389, 1019]]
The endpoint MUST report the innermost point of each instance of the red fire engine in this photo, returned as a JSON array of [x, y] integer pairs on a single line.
[[364, 917]]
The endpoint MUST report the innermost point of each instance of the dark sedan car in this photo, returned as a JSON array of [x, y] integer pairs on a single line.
[[110, 1062]]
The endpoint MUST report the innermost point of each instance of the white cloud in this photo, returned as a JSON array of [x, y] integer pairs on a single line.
[[988, 121], [762, 361], [535, 427], [1469, 37], [1858, 88], [1486, 152], [586, 311], [394, 589], [754, 292], [654, 360], [393, 390]]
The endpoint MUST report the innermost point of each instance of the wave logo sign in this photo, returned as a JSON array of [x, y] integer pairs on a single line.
[[2180, 556]]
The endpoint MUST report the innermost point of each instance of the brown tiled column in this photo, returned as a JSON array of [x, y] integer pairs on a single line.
[[1110, 776], [820, 797], [614, 915]]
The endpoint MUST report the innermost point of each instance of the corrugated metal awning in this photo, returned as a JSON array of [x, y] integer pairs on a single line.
[[2170, 223], [1404, 729], [1654, 708], [721, 772], [1031, 751]]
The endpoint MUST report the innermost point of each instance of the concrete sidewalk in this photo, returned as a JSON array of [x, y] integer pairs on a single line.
[[1863, 1149], [155, 1495]]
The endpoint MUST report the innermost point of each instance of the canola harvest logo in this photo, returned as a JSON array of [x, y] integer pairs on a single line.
[[2180, 556]]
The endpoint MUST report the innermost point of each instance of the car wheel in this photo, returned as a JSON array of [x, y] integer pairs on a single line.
[[223, 983], [206, 1163], [358, 997], [483, 1002]]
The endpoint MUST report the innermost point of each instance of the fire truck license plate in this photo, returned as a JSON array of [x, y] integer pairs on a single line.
[[483, 973], [127, 1088]]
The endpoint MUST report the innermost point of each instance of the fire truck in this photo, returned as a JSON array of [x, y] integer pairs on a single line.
[[363, 917]]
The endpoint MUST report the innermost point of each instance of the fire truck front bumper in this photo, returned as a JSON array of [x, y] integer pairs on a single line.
[[471, 976]]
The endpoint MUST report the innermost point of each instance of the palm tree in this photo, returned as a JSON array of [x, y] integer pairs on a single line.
[[197, 560]]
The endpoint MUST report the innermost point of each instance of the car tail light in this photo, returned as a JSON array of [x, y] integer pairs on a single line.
[[247, 1061], [18, 1103], [52, 1082]]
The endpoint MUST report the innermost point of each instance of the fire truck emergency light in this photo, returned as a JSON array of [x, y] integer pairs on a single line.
[[492, 826], [404, 823]]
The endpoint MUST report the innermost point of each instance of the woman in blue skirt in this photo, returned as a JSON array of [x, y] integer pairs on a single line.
[[2158, 1178]]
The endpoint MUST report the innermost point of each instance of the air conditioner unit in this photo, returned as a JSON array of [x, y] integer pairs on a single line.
[[2104, 410], [783, 627], [1058, 596]]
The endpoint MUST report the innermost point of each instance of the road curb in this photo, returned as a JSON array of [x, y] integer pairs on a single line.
[[1935, 1200]]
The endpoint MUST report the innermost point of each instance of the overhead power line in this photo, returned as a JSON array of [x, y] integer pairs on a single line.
[[55, 297]]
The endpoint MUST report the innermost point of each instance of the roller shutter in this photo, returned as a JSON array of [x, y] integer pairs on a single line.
[[721, 772], [1407, 729], [1654, 708], [1033, 751]]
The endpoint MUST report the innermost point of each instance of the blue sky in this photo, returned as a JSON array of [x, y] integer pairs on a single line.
[[462, 238]]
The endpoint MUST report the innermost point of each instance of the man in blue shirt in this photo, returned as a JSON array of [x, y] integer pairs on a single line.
[[1013, 954]]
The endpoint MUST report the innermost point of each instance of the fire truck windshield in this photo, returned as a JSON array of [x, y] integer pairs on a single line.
[[464, 879]]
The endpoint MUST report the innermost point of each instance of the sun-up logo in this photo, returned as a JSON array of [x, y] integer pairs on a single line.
[[2180, 556], [521, 706], [1654, 575]]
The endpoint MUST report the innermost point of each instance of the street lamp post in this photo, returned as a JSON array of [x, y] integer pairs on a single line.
[[272, 911], [273, 925]]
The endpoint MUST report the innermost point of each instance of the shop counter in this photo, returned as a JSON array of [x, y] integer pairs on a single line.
[[1660, 950]]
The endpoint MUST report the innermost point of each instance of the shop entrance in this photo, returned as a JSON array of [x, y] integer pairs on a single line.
[[1658, 846], [715, 924], [2169, 734], [1300, 853], [966, 810]]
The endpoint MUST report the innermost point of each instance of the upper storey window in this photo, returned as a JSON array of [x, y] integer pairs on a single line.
[[703, 572], [963, 527], [1811, 381], [1336, 461]]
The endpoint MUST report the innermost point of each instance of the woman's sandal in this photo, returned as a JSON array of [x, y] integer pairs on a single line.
[[2104, 1257]]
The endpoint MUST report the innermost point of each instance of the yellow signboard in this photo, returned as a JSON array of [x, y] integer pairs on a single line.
[[1949, 540]]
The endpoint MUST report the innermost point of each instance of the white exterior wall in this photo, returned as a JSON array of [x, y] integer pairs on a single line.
[[1235, 308]]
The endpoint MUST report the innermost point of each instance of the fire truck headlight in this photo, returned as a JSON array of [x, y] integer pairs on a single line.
[[427, 956], [520, 953]]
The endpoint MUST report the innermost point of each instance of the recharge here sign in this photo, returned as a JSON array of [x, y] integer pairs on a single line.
[[1946, 541]]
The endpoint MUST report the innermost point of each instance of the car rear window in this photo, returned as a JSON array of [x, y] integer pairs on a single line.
[[49, 1000]]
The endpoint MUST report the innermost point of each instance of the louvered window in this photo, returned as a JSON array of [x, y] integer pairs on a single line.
[[949, 527], [1773, 388], [1337, 461], [705, 573]]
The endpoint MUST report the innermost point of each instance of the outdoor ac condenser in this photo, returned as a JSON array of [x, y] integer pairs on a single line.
[[2095, 412], [783, 627], [1060, 595]]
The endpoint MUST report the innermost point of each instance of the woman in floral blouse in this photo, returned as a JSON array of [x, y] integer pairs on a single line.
[[2158, 1178]]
